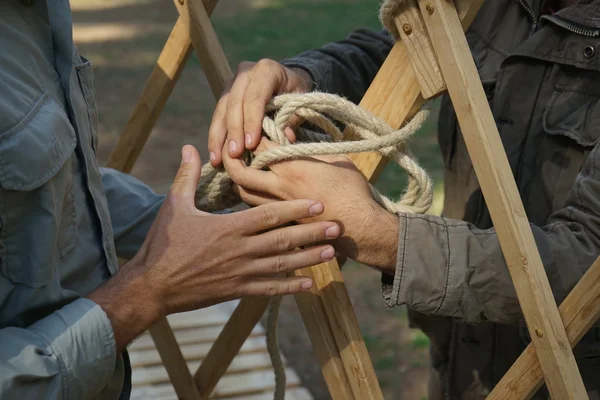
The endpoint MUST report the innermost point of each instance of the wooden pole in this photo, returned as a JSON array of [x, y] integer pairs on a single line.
[[503, 200], [579, 311], [159, 86]]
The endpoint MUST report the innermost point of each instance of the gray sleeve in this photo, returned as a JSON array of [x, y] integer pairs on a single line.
[[70, 354], [133, 207], [450, 268], [346, 67]]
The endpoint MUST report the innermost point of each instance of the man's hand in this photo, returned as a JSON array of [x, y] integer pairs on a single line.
[[369, 232], [192, 259], [238, 116]]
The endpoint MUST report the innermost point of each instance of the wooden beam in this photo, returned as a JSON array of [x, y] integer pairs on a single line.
[[206, 44], [158, 88], [173, 360], [229, 342], [579, 311], [394, 94], [503, 200], [413, 34]]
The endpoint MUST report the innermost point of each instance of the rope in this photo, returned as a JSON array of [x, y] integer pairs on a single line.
[[388, 10], [322, 110]]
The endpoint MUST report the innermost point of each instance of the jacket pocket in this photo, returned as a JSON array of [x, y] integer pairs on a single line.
[[37, 213], [571, 120]]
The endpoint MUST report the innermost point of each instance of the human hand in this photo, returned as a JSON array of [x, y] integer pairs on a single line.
[[369, 232], [239, 113], [192, 259]]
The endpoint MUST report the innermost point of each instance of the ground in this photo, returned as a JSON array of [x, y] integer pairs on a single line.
[[123, 39]]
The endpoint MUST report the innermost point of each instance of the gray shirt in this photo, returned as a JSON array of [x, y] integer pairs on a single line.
[[63, 220]]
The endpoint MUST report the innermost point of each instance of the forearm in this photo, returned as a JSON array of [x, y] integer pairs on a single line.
[[70, 354], [451, 268], [346, 67]]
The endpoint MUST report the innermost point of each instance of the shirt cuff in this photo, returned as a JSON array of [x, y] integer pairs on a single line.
[[81, 337], [424, 279]]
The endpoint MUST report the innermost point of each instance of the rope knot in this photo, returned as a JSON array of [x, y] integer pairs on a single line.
[[323, 110]]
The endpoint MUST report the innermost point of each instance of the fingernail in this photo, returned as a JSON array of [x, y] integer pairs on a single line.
[[232, 145], [186, 155], [316, 209], [332, 232], [306, 285], [248, 139], [328, 254], [212, 156]]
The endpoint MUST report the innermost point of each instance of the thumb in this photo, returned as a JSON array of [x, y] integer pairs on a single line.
[[185, 183]]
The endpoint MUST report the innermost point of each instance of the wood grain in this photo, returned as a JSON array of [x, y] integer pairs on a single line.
[[503, 200]]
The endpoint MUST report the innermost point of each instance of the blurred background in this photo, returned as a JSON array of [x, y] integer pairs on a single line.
[[123, 38]]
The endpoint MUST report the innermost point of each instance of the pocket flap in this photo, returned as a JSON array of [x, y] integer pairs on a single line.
[[35, 149], [574, 113]]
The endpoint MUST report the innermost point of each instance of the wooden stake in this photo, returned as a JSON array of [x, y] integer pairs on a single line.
[[173, 360], [158, 88], [228, 344], [501, 194], [579, 311]]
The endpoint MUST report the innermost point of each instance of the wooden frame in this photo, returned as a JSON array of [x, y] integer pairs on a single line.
[[433, 43]]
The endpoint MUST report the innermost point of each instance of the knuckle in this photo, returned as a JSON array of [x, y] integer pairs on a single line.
[[270, 217], [265, 63], [270, 289], [283, 241], [279, 265], [245, 66]]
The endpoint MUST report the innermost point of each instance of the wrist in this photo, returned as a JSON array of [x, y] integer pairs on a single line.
[[129, 304], [380, 241]]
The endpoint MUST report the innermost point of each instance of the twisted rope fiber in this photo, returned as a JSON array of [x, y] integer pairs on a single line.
[[215, 192]]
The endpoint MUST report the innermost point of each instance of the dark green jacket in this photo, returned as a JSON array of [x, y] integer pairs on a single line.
[[542, 78]]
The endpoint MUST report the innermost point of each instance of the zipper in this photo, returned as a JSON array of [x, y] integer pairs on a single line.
[[572, 26], [530, 14]]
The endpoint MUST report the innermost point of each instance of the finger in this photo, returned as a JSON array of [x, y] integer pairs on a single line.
[[251, 178], [290, 237], [290, 261], [266, 80], [235, 115], [264, 145], [253, 198], [183, 190], [289, 134], [275, 214], [217, 133], [275, 286]]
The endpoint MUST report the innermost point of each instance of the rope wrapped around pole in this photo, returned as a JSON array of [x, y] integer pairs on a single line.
[[323, 110]]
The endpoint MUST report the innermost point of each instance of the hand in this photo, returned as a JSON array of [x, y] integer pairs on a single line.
[[239, 113], [192, 259], [369, 232]]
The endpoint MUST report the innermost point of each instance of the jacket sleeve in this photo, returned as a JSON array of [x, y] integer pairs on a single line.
[[70, 354], [133, 206], [450, 268], [346, 67]]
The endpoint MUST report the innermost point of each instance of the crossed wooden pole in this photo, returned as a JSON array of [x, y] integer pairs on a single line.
[[433, 57]]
